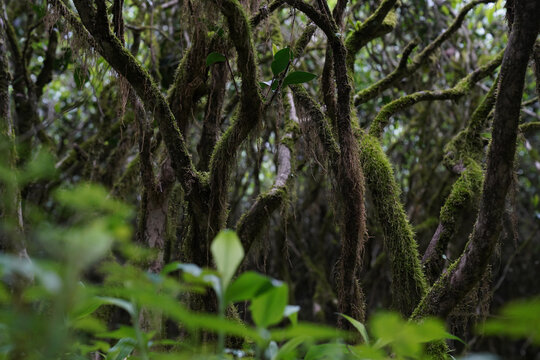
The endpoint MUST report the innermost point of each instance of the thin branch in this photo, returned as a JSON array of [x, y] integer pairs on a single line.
[[251, 224], [265, 12], [403, 71], [125, 64], [463, 87], [465, 273], [374, 27]]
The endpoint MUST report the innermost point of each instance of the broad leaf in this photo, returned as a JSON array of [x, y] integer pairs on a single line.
[[121, 350], [298, 77], [268, 308], [121, 303], [228, 252], [215, 57], [281, 60], [247, 286], [289, 348], [327, 351], [314, 331], [359, 326]]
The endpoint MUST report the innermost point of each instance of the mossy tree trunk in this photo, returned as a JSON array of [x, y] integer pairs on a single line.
[[195, 127]]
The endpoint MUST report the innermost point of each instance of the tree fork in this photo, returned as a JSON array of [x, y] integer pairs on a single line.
[[461, 277]]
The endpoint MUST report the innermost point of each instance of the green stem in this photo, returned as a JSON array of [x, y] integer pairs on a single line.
[[221, 334], [140, 341]]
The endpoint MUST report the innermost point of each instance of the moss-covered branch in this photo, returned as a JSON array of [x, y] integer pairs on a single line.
[[249, 114], [190, 75], [112, 50], [265, 12], [212, 116], [46, 74], [465, 273], [346, 282], [529, 128], [462, 200], [463, 155], [251, 224], [349, 175], [536, 58], [463, 87], [404, 69], [24, 94], [381, 22], [314, 113], [12, 228], [408, 282]]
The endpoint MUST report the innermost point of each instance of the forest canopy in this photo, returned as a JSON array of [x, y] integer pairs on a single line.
[[270, 179]]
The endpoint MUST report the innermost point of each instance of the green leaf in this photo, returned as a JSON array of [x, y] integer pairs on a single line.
[[170, 306], [215, 57], [120, 333], [268, 308], [365, 351], [445, 10], [247, 286], [194, 275], [298, 77], [191, 269], [291, 312], [386, 326], [281, 60], [518, 320], [89, 198], [271, 350], [406, 338], [86, 307], [121, 303], [41, 166], [359, 326], [121, 350], [327, 352], [228, 252], [289, 348], [430, 329], [314, 331]]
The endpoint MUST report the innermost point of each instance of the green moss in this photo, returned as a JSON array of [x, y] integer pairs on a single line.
[[465, 191], [409, 284], [275, 34], [252, 223], [391, 19], [303, 40], [374, 27], [315, 113]]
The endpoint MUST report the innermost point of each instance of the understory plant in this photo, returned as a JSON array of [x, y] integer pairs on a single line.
[[53, 306]]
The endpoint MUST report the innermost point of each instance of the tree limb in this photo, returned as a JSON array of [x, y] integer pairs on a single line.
[[404, 70], [463, 87], [454, 285]]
